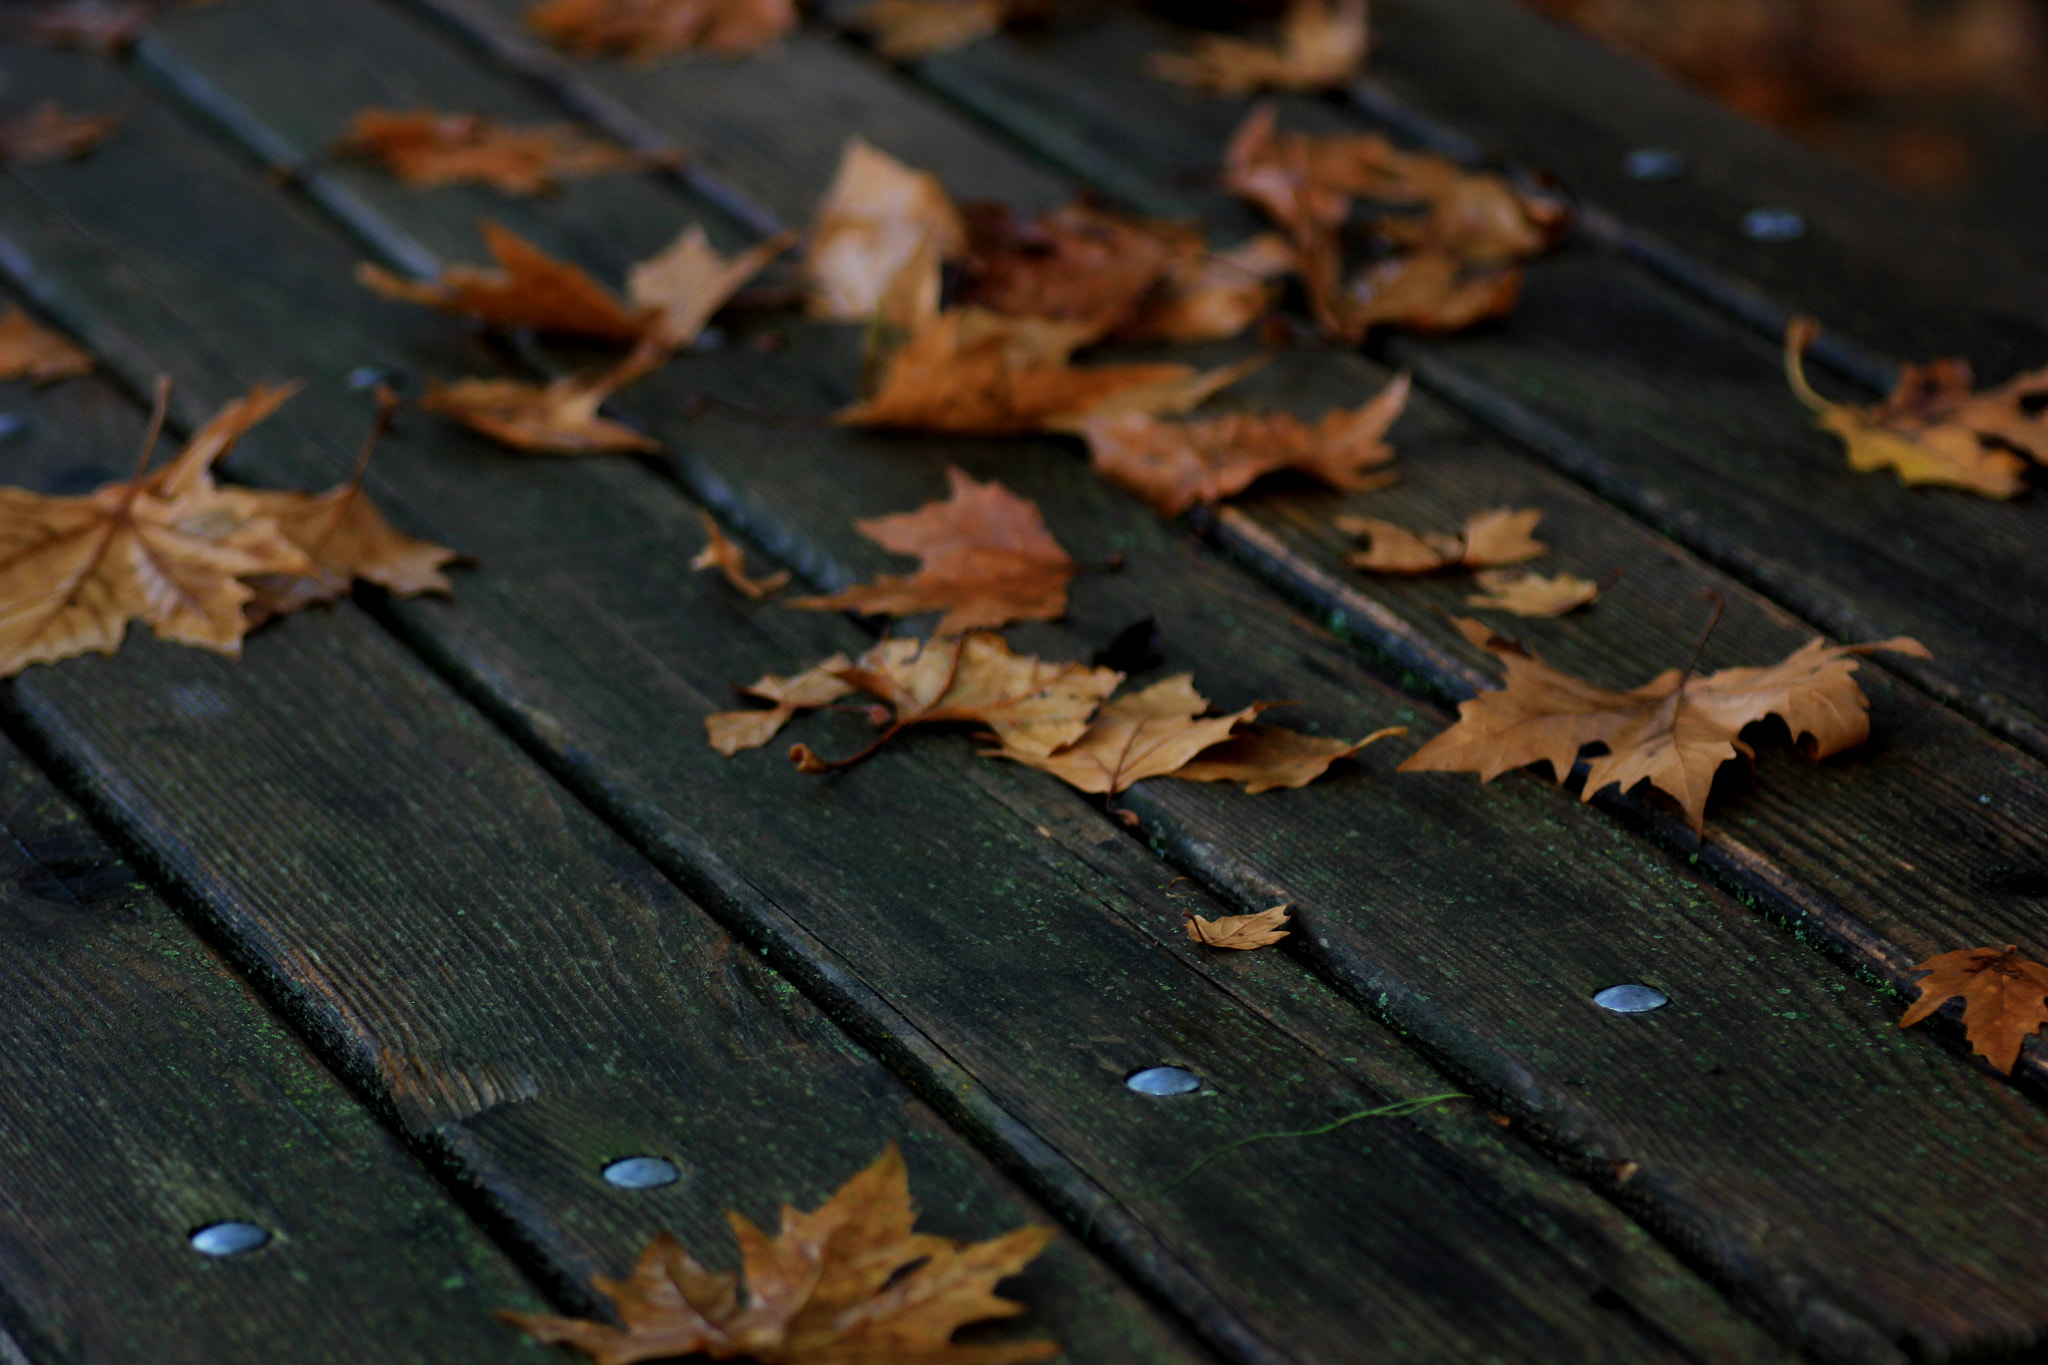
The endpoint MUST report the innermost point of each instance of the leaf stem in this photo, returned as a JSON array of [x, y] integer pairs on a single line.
[[157, 417], [1720, 603], [387, 407]]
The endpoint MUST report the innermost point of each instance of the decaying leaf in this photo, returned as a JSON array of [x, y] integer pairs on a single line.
[[1176, 465], [426, 148], [721, 554], [646, 29], [684, 285], [1147, 734], [908, 30], [987, 561], [973, 372], [528, 289], [1238, 931], [1674, 731], [108, 27], [1269, 757], [1490, 539], [1532, 594], [1209, 297], [557, 418], [47, 133], [821, 685], [1932, 429], [35, 353], [877, 218], [2005, 998], [1428, 291], [1322, 45], [851, 1284]]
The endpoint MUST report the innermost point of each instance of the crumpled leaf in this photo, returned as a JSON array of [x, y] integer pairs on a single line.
[[909, 30], [1210, 297], [35, 353], [1429, 291], [47, 133], [1490, 539], [426, 148], [987, 560], [1269, 757], [875, 220], [346, 538], [556, 418], [2005, 998], [721, 554], [107, 27], [1532, 594], [821, 685], [1322, 45], [973, 372], [686, 283], [646, 29], [1243, 932], [1674, 731], [1932, 429], [1147, 734], [528, 289], [850, 1284], [1176, 465]]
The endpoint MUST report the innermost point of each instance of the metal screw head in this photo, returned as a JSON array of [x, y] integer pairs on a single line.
[[1773, 225], [228, 1239], [1653, 163], [1164, 1080], [14, 427], [642, 1173], [1631, 998]]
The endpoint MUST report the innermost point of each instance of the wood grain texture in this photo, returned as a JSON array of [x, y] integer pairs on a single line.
[[1731, 1151], [587, 574]]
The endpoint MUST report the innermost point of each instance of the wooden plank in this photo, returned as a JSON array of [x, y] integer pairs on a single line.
[[1730, 1151], [584, 553]]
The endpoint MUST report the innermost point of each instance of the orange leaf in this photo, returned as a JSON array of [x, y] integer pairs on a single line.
[[659, 28], [426, 149], [909, 30], [721, 554], [1490, 539], [37, 354], [1322, 44], [1530, 594], [731, 731], [1075, 264], [1267, 757], [529, 289], [1243, 932], [47, 133], [558, 418], [1147, 734], [2005, 998]]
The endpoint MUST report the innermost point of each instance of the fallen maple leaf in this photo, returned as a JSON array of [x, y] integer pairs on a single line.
[[909, 30], [876, 219], [425, 149], [47, 133], [721, 554], [1210, 297], [37, 354], [646, 29], [1243, 932], [108, 27], [1674, 731], [1176, 465], [557, 418], [1269, 757], [2005, 998], [529, 289], [1074, 264], [1322, 44], [1426, 292], [987, 561], [821, 685], [1531, 594], [169, 549], [1490, 539], [688, 282], [850, 1284], [1931, 428], [1147, 734]]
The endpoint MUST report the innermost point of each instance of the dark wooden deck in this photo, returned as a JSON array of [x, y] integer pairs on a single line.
[[390, 935]]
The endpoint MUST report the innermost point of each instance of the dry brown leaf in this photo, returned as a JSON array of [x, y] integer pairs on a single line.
[[47, 133], [721, 554], [851, 1284], [1532, 594], [35, 353], [1674, 731], [426, 149], [646, 29], [1243, 932], [557, 418], [909, 30], [108, 27], [1268, 757], [2005, 998], [878, 217], [1147, 734], [168, 551], [529, 289], [1176, 465], [1490, 539], [987, 561], [1931, 429], [684, 285], [1210, 297], [1426, 292], [821, 685], [1074, 264], [1322, 45]]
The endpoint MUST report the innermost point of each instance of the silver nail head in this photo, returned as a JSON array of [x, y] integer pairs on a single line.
[[228, 1239], [1164, 1080], [1630, 998], [1773, 225], [642, 1173], [1653, 163]]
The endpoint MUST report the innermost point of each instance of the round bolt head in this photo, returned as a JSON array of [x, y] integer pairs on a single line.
[[1653, 163], [1773, 225], [1164, 1080], [642, 1173], [1631, 998], [228, 1239], [14, 427]]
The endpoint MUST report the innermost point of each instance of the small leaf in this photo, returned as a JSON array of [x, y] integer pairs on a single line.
[[658, 28], [721, 554], [1531, 594], [2005, 998], [528, 289], [557, 418], [426, 149], [1268, 757], [1322, 45], [1243, 932], [1490, 539], [37, 354], [877, 218]]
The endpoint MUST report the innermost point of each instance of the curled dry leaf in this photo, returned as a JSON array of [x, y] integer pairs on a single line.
[[557, 418], [849, 1283], [987, 560], [35, 353], [721, 554], [1177, 465], [1209, 297], [47, 133], [1322, 45], [1490, 539], [1147, 734], [731, 731], [108, 27], [1673, 732], [909, 30], [426, 148], [685, 284], [1932, 429], [878, 217], [1429, 291], [1268, 757], [2005, 998], [1243, 932], [528, 289], [646, 29], [1532, 594]]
